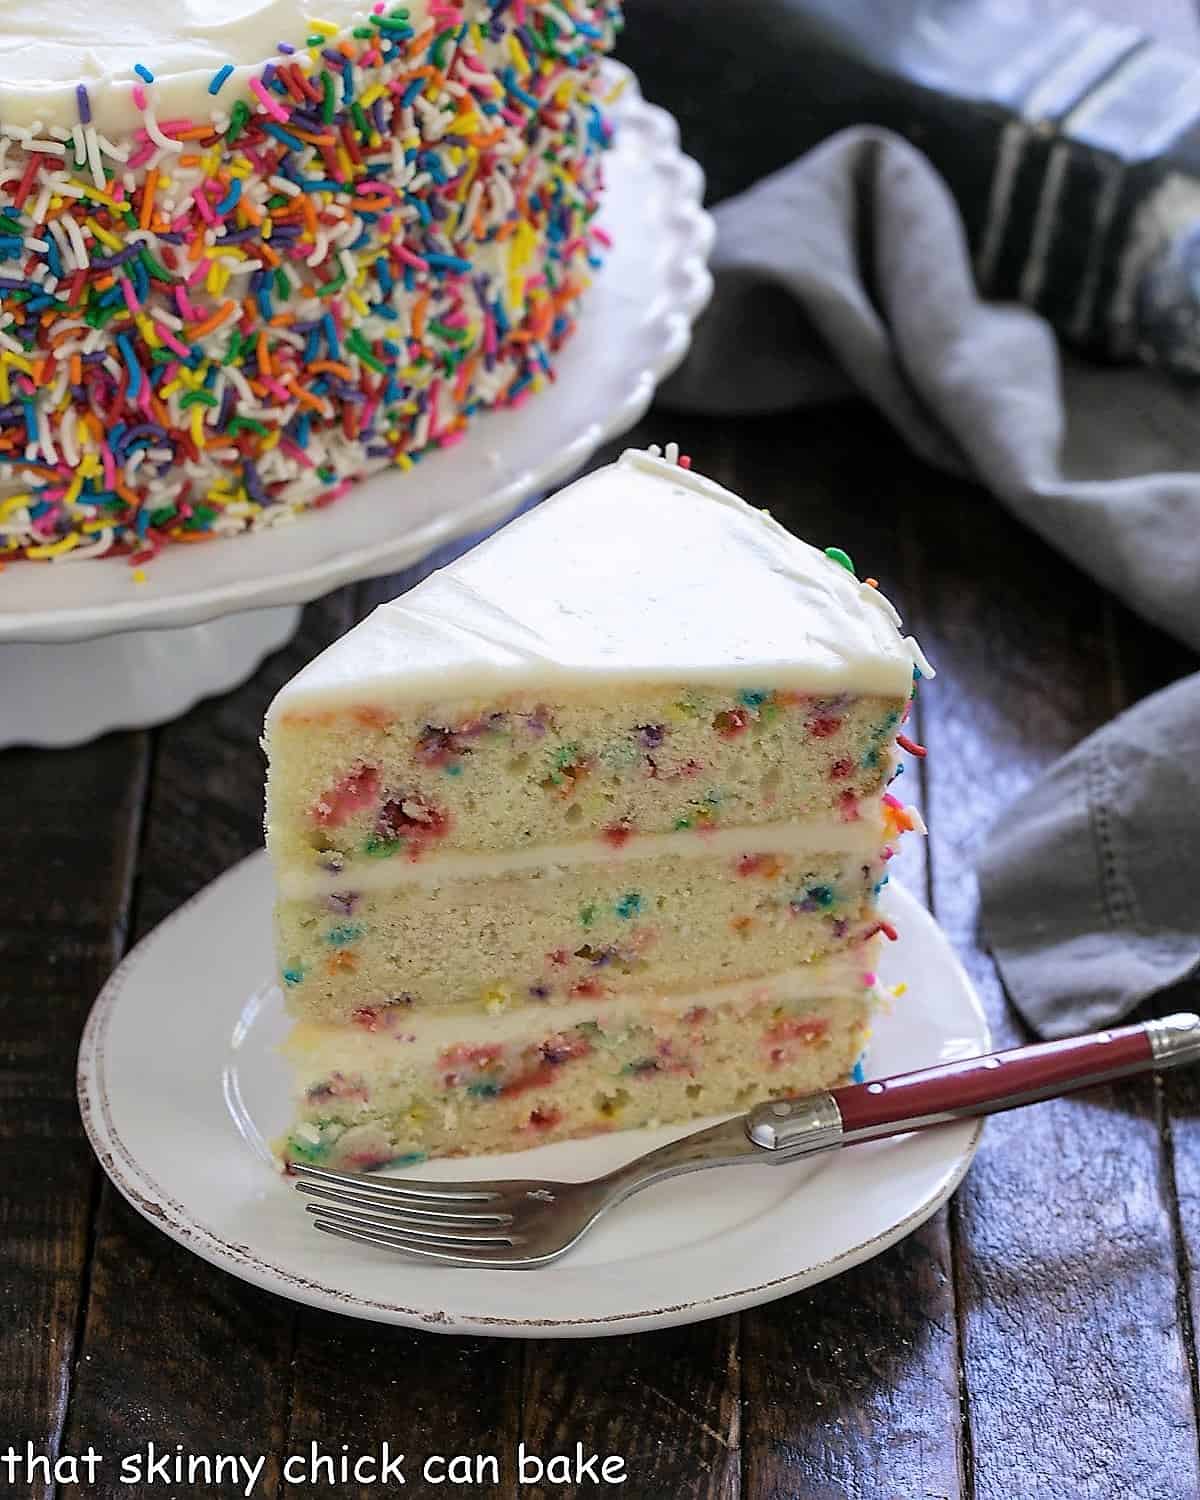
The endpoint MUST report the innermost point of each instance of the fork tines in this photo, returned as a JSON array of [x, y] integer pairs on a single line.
[[443, 1221], [394, 1187]]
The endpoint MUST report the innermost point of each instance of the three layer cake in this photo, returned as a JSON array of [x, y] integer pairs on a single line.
[[250, 252], [587, 830]]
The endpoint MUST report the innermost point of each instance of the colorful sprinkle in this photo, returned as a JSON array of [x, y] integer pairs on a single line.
[[331, 276], [344, 932], [629, 905], [841, 558]]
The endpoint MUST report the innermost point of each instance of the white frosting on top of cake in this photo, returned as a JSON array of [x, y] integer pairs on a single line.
[[641, 572], [47, 50]]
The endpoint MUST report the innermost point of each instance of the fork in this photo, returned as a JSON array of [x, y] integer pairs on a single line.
[[519, 1224]]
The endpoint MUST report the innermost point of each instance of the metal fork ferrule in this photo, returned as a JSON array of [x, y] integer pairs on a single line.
[[1174, 1039], [796, 1126]]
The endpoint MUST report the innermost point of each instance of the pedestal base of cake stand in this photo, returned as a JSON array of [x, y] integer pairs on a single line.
[[60, 693]]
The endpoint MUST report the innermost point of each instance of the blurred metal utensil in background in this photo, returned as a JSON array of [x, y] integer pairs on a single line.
[[1071, 143]]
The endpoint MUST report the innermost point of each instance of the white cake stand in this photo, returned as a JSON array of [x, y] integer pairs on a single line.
[[85, 649]]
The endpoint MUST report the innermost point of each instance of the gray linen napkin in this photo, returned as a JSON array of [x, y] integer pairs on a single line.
[[849, 270]]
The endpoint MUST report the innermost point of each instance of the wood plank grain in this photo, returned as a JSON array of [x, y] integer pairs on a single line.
[[667, 1403], [1179, 1098], [174, 1350], [1073, 1345], [70, 822], [852, 1388], [50, 1182], [425, 1395]]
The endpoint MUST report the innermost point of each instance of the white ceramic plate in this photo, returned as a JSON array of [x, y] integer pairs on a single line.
[[633, 330], [179, 1086]]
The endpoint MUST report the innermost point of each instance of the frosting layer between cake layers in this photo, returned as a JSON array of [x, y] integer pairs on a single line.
[[252, 252]]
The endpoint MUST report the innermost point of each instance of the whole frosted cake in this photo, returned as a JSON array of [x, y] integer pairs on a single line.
[[586, 831], [250, 251]]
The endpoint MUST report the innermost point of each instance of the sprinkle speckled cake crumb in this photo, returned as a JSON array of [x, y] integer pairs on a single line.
[[588, 831]]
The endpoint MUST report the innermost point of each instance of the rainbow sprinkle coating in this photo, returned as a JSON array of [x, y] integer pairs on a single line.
[[214, 324]]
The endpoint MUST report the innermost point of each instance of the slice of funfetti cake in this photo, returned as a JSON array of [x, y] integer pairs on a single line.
[[586, 831]]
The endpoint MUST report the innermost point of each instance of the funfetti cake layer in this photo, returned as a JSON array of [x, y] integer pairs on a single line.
[[402, 1086], [581, 930], [493, 775], [251, 255], [631, 752]]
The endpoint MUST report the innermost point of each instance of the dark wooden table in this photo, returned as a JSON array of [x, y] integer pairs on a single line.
[[1035, 1339]]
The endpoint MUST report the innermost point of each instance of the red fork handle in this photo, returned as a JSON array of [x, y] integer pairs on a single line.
[[971, 1086], [998, 1081]]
